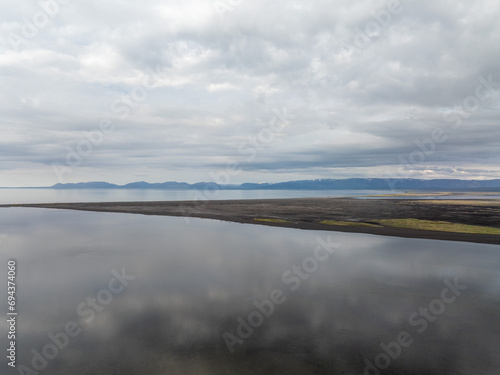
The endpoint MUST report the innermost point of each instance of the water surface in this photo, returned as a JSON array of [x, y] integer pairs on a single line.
[[19, 196], [194, 284]]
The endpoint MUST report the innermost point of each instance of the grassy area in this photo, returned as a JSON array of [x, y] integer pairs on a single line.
[[432, 194], [272, 220], [442, 226], [465, 202], [410, 194], [348, 223]]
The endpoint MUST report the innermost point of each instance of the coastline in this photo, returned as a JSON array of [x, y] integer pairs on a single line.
[[360, 215]]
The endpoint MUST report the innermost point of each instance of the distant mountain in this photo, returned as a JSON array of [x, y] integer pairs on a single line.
[[163, 185], [381, 184], [85, 185], [324, 184]]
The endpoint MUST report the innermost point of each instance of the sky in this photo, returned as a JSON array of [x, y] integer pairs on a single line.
[[234, 91]]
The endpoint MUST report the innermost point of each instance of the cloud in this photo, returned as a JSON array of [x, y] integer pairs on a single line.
[[219, 79]]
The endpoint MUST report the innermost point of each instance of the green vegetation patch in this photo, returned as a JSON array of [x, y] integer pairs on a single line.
[[272, 220], [409, 195], [463, 202], [440, 226], [348, 223]]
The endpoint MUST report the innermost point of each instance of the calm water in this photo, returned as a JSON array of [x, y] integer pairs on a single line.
[[185, 289], [19, 196], [14, 196]]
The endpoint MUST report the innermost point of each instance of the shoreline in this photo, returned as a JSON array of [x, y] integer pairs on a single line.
[[308, 213]]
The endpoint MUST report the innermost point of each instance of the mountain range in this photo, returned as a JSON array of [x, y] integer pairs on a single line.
[[322, 184]]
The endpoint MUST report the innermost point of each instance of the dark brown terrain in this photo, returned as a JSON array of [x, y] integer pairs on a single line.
[[307, 213]]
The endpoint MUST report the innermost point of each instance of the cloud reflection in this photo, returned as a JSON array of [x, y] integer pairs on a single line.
[[194, 281]]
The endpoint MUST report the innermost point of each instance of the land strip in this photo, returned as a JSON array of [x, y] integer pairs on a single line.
[[374, 216]]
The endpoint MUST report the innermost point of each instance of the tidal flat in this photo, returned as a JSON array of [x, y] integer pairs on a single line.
[[455, 220]]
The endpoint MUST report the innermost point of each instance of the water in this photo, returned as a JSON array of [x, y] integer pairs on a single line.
[[186, 289], [18, 196]]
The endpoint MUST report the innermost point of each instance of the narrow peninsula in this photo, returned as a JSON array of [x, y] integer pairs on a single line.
[[469, 220]]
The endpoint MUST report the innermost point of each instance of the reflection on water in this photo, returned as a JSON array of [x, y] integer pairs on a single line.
[[184, 286]]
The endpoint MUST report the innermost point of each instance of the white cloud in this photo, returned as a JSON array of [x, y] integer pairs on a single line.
[[356, 109]]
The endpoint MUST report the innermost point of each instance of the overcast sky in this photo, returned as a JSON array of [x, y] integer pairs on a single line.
[[123, 90]]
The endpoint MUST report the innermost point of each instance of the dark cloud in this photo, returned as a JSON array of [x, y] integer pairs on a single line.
[[358, 101]]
